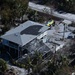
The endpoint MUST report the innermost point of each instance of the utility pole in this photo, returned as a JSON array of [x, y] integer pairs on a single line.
[[64, 32]]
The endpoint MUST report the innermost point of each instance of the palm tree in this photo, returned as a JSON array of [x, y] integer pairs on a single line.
[[28, 64], [36, 63]]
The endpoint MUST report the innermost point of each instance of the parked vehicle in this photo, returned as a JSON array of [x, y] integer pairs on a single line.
[[50, 22]]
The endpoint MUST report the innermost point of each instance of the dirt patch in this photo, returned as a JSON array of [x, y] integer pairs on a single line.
[[47, 17]]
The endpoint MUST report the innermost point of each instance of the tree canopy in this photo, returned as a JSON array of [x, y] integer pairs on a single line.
[[11, 9], [65, 5]]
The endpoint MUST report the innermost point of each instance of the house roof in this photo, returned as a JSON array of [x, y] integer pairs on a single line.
[[24, 33]]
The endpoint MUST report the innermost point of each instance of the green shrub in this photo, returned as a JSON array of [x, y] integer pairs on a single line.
[[3, 65]]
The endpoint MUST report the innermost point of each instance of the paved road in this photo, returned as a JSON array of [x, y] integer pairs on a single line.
[[48, 10]]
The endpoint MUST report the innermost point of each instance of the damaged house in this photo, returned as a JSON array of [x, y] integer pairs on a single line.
[[17, 39]]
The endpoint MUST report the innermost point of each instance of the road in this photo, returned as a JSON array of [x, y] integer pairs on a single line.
[[50, 11]]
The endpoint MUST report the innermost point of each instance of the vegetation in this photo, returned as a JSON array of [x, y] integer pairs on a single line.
[[12, 9], [3, 66], [57, 65], [34, 15], [50, 66], [65, 5]]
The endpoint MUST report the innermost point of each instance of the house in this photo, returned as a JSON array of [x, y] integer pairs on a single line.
[[18, 37], [57, 37]]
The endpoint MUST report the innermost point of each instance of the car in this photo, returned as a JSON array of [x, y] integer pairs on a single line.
[[50, 22]]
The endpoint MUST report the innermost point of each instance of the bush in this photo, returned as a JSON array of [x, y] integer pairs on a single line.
[[3, 65], [18, 64]]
